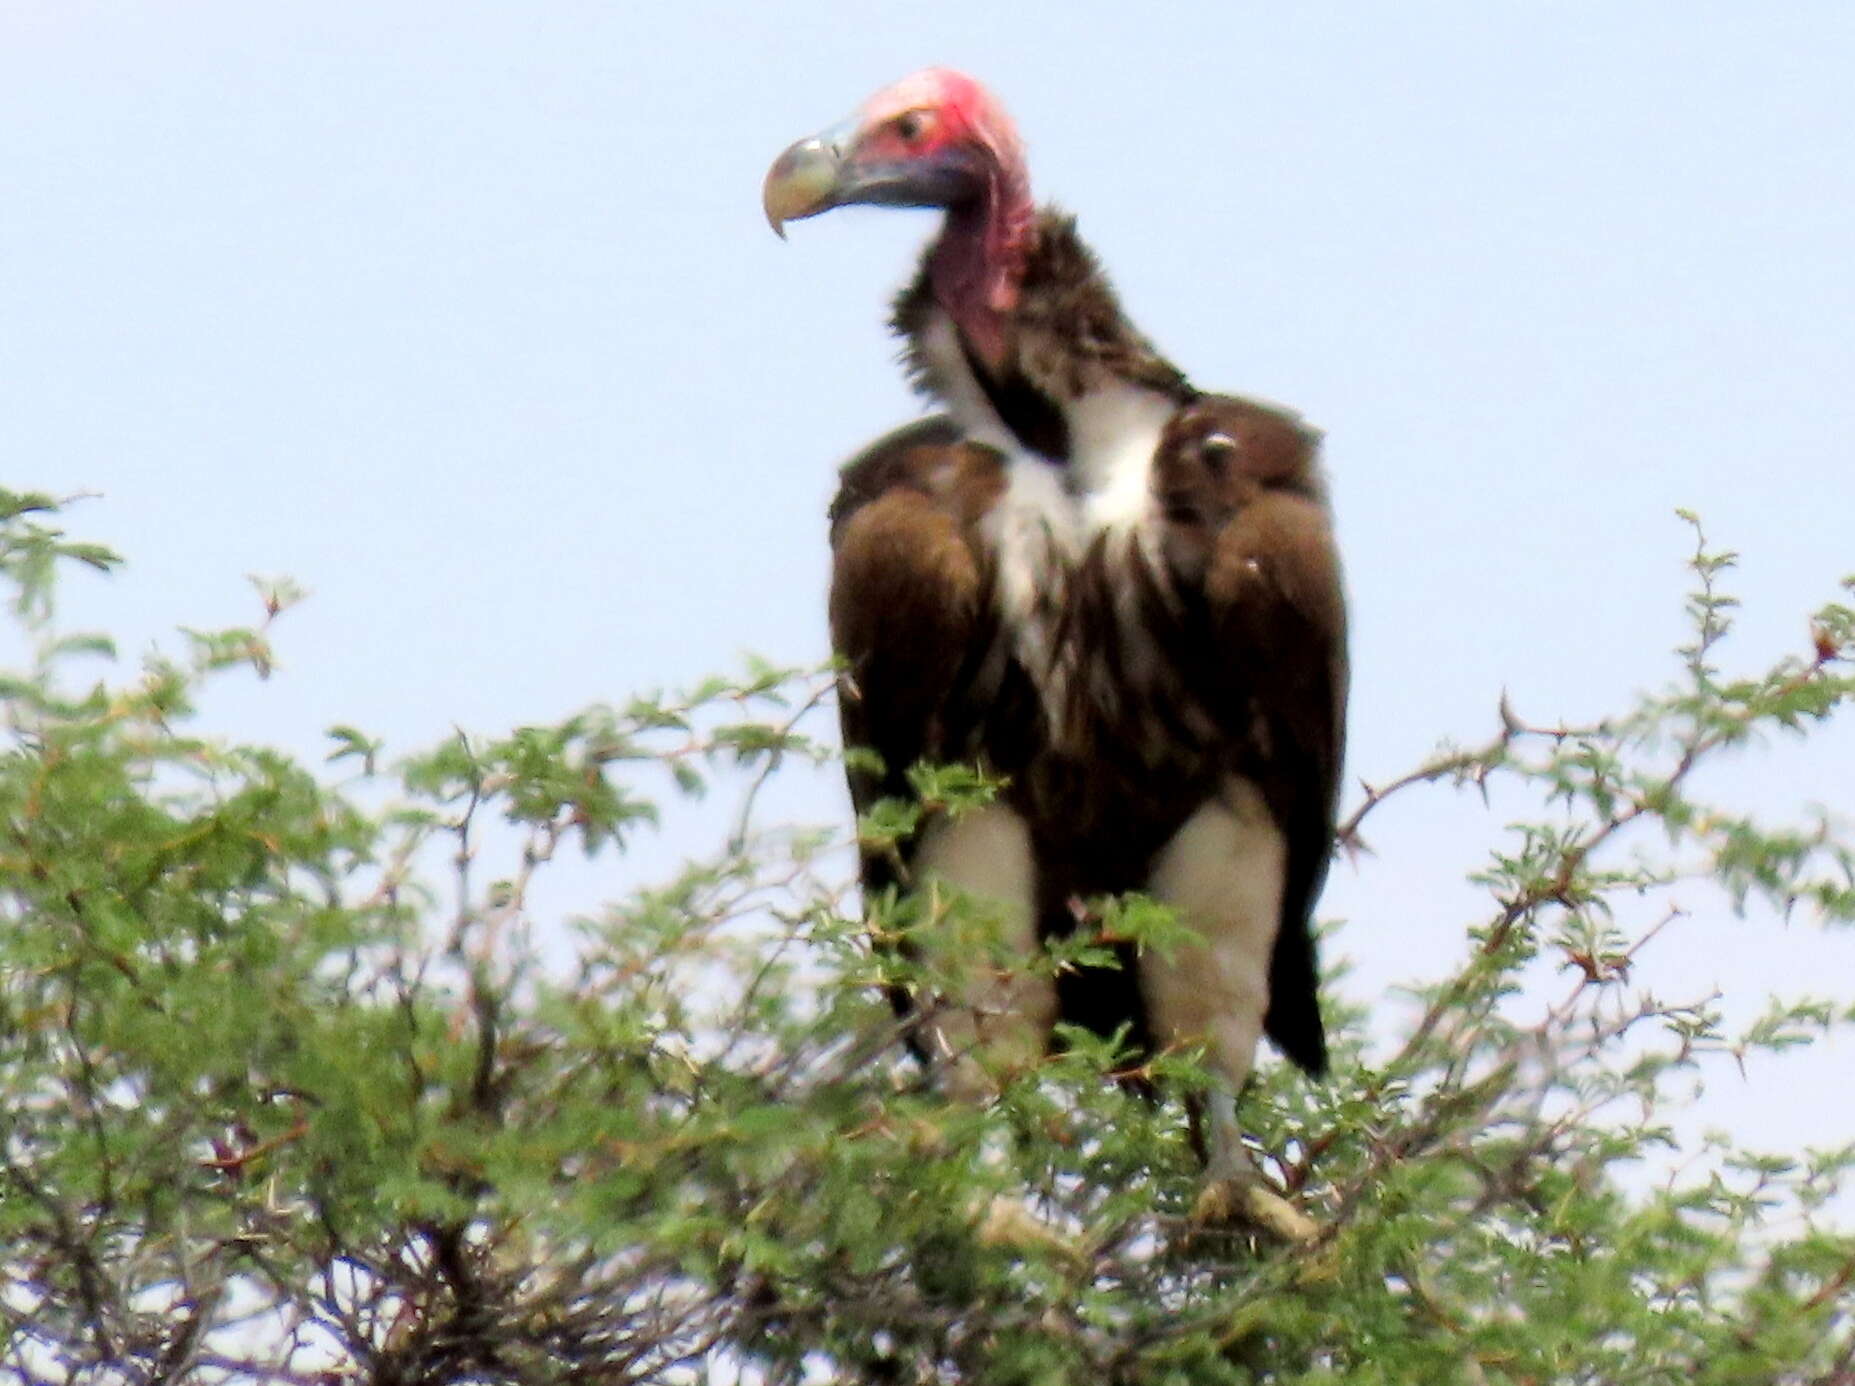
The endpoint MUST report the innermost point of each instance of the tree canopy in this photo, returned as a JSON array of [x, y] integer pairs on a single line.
[[290, 1090]]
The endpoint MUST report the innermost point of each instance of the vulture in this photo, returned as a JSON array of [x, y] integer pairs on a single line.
[[1114, 592]]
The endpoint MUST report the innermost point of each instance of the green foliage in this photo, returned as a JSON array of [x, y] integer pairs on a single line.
[[289, 1093]]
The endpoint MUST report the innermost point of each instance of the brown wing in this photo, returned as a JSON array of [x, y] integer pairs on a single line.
[[911, 615], [1249, 539]]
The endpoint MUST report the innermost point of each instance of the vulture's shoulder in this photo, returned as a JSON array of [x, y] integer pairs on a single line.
[[1244, 499], [1254, 447], [931, 464], [909, 599]]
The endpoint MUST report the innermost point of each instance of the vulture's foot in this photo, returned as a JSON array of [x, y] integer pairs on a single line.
[[1244, 1200]]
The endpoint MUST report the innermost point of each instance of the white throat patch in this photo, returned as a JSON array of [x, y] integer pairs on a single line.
[[1114, 430]]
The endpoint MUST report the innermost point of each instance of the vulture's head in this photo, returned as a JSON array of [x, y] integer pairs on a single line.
[[934, 139]]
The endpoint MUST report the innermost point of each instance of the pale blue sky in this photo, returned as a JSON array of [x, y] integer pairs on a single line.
[[465, 316]]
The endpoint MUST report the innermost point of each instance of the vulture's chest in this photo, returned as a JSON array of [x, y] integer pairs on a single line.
[[1075, 544], [1088, 609]]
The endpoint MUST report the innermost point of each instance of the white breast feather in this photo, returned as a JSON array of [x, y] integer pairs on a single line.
[[1035, 529], [1049, 514], [1114, 433]]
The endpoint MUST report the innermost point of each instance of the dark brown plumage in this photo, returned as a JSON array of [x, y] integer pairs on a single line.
[[1117, 593], [1244, 606], [1246, 516]]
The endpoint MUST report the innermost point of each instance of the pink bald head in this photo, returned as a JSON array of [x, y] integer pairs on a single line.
[[979, 258], [937, 138], [948, 109]]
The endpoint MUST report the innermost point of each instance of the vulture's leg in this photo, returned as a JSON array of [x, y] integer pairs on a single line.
[[1222, 874], [982, 863], [998, 1023]]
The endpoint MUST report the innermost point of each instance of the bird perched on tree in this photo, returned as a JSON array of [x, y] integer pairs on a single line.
[[1116, 593]]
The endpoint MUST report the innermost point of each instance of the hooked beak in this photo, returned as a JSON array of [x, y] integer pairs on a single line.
[[835, 169], [808, 178]]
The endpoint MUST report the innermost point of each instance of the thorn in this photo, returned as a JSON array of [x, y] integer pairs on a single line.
[[1509, 723]]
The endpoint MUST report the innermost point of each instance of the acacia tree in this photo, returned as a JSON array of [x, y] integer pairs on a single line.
[[287, 1093]]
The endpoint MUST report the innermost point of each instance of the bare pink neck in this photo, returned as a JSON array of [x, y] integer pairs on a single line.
[[977, 265]]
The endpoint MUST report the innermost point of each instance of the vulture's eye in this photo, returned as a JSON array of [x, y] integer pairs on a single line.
[[912, 125]]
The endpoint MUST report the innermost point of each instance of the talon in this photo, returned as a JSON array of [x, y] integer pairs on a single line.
[[1249, 1203]]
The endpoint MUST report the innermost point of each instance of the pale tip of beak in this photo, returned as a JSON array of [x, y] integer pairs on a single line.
[[800, 183]]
